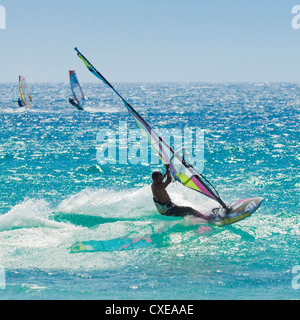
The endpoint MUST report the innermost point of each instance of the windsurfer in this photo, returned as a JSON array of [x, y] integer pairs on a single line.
[[73, 102], [163, 202], [21, 103]]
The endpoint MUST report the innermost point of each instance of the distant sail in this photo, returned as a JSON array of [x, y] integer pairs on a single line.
[[77, 91], [24, 91], [181, 170]]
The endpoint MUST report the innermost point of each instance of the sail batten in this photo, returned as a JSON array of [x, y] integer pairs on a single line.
[[181, 170]]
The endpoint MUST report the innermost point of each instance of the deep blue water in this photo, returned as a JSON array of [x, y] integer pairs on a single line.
[[55, 193]]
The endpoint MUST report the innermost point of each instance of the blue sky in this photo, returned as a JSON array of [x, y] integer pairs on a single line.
[[151, 40]]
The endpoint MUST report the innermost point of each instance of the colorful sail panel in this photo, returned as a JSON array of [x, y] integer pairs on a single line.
[[24, 91], [76, 89], [181, 170]]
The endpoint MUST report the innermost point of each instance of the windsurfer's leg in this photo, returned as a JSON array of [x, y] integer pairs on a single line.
[[198, 214], [180, 211]]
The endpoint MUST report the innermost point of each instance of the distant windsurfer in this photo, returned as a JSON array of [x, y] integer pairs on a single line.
[[21, 103], [163, 202], [73, 103]]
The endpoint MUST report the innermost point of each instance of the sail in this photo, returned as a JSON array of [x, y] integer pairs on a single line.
[[181, 170], [24, 91], [76, 89]]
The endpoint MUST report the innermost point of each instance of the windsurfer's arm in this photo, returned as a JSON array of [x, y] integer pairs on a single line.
[[168, 175]]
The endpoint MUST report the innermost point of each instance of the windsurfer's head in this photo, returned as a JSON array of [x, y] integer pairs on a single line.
[[157, 176]]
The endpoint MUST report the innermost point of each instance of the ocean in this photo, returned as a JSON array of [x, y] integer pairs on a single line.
[[56, 193]]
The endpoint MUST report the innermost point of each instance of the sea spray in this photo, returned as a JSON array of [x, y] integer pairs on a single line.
[[28, 214]]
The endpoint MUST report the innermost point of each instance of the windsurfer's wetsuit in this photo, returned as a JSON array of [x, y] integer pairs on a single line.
[[172, 210]]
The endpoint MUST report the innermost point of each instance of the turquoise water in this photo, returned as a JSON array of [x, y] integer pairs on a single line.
[[54, 193]]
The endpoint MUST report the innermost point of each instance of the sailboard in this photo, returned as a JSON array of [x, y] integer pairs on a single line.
[[24, 91], [239, 210], [181, 170], [77, 91]]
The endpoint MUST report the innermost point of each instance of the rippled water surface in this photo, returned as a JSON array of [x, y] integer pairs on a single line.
[[54, 193]]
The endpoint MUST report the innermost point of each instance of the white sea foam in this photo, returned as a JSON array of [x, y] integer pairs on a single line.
[[28, 214]]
